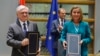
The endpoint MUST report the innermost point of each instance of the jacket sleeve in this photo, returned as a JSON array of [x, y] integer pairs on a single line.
[[87, 38], [54, 30], [10, 39]]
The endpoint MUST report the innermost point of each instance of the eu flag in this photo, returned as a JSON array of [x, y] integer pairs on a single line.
[[52, 16]]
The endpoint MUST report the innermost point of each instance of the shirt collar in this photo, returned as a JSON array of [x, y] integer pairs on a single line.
[[60, 19], [22, 22]]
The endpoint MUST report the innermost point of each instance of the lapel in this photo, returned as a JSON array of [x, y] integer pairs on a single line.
[[20, 28], [57, 23], [64, 20], [30, 26], [73, 27], [81, 27]]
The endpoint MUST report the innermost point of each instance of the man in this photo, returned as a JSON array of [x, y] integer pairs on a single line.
[[17, 31], [56, 28]]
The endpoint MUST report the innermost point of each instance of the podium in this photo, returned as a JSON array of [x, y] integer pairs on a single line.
[[73, 47], [33, 43]]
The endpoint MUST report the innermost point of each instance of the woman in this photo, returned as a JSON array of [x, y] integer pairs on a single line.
[[77, 26]]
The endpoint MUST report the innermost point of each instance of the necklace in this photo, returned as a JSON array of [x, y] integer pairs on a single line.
[[76, 26]]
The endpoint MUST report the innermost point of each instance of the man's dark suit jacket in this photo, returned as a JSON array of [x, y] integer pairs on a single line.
[[15, 35], [55, 33]]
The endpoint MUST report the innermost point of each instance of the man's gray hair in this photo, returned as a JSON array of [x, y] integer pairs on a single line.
[[20, 7]]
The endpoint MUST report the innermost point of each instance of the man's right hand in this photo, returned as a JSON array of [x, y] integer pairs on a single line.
[[25, 42], [60, 27]]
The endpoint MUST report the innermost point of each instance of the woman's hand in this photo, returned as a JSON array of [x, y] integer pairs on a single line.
[[65, 44], [81, 42]]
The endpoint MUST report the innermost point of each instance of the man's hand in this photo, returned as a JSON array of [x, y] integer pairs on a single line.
[[25, 42], [60, 27]]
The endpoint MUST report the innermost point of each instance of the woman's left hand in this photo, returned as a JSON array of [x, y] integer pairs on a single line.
[[81, 42]]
